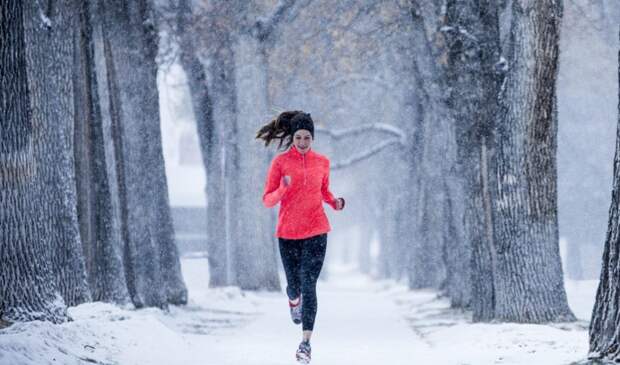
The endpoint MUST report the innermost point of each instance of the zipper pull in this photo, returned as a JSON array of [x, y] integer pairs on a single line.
[[304, 160]]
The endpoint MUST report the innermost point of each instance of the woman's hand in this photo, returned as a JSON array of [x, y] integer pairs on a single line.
[[286, 180], [340, 204]]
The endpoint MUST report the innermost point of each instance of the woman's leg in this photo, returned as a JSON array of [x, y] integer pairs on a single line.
[[312, 257], [290, 251]]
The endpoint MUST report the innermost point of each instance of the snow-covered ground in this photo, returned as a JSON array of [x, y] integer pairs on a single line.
[[360, 321]]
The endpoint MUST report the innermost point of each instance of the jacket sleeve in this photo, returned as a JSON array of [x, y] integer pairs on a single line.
[[328, 197], [274, 187]]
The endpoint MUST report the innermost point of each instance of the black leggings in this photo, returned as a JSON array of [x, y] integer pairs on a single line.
[[302, 260]]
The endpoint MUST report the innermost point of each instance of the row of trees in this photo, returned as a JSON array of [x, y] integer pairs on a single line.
[[480, 149], [223, 49], [586, 93], [474, 209], [500, 88], [85, 212], [84, 202]]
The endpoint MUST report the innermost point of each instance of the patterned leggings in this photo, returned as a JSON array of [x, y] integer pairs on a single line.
[[302, 260]]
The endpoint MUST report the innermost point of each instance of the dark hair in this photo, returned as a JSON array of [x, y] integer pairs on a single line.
[[284, 126]]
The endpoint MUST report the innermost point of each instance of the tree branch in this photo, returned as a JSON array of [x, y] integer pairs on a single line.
[[359, 78], [263, 29], [364, 155], [363, 128]]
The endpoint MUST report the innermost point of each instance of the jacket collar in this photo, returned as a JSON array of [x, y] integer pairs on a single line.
[[295, 152]]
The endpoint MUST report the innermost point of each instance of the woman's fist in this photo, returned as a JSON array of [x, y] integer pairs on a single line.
[[340, 204]]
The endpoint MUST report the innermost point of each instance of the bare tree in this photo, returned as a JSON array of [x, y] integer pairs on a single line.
[[49, 54], [152, 267], [73, 79], [99, 225], [434, 181], [255, 247], [472, 31], [604, 330], [213, 89], [511, 231], [28, 289], [529, 283]]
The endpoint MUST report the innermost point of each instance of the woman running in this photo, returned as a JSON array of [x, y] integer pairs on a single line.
[[298, 179]]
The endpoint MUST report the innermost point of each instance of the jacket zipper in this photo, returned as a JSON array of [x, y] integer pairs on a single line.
[[303, 156]]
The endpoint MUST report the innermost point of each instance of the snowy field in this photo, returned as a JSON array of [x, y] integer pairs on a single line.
[[360, 322]]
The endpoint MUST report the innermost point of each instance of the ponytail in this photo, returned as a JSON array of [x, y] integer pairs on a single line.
[[279, 128]]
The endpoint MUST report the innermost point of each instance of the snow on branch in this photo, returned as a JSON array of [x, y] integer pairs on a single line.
[[47, 22], [460, 30], [265, 27], [364, 155], [359, 78], [364, 128]]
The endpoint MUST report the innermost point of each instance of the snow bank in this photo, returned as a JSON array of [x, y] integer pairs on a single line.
[[102, 333], [389, 324], [442, 328], [97, 333]]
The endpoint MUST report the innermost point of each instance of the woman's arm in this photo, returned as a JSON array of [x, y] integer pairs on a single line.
[[274, 186], [328, 197]]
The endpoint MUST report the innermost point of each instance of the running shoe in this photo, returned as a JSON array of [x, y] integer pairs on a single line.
[[303, 352], [295, 311]]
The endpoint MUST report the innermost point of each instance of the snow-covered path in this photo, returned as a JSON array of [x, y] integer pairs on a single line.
[[355, 325], [360, 321]]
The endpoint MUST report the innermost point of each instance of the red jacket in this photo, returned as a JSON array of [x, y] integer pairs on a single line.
[[301, 203]]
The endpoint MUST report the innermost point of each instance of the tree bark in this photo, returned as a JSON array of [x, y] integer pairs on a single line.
[[474, 47], [50, 56], [28, 289], [255, 250], [529, 284], [214, 111], [151, 261], [255, 246], [604, 329], [99, 226], [435, 160]]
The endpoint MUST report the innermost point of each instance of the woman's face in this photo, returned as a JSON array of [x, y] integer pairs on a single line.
[[302, 139]]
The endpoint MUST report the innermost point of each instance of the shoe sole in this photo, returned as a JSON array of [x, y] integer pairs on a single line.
[[303, 359], [296, 320]]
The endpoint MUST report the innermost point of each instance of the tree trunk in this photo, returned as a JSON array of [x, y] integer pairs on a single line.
[[212, 125], [98, 224], [50, 56], [435, 160], [213, 89], [484, 255], [473, 37], [604, 329], [366, 229], [152, 266], [457, 252], [28, 288], [256, 253], [388, 236], [529, 285]]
